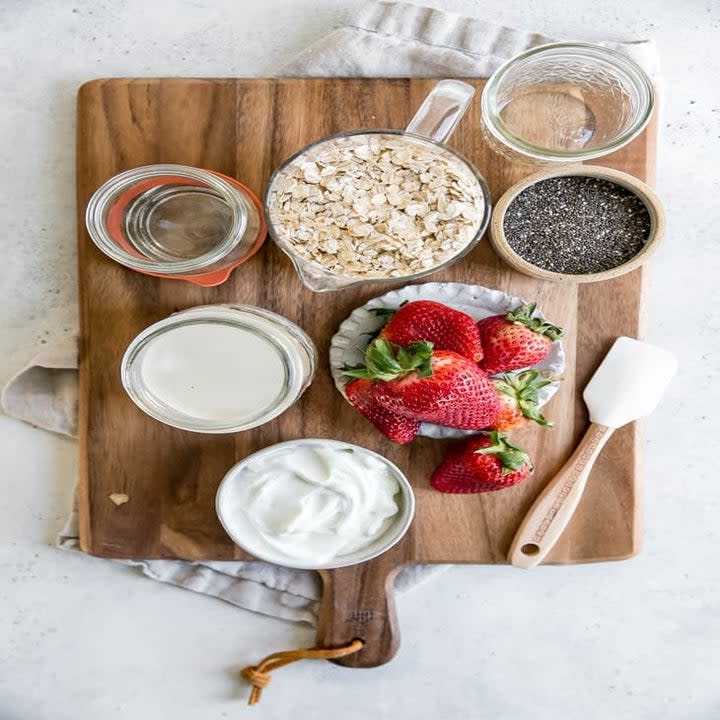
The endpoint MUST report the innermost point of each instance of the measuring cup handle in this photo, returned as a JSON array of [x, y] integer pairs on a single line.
[[442, 110]]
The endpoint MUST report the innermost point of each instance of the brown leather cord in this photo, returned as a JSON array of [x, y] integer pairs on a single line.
[[259, 675]]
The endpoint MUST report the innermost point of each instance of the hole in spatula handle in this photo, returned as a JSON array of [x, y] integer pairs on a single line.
[[530, 549]]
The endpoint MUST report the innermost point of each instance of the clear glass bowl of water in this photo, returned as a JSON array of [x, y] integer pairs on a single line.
[[178, 222], [566, 102]]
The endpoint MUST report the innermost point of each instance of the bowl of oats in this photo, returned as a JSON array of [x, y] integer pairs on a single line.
[[381, 206]]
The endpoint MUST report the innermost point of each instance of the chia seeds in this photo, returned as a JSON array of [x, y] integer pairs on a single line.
[[576, 224]]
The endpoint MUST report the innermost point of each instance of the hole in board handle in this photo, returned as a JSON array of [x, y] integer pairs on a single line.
[[530, 549]]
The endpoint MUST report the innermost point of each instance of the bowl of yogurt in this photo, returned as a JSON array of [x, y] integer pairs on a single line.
[[218, 368], [315, 504]]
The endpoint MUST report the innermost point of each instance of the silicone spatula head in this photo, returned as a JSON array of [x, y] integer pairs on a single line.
[[629, 383]]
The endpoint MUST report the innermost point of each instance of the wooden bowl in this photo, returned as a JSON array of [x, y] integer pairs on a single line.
[[643, 191]]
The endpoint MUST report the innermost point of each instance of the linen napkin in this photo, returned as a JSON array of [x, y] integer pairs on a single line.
[[384, 39]]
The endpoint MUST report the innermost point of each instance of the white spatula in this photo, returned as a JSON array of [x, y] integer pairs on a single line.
[[628, 385]]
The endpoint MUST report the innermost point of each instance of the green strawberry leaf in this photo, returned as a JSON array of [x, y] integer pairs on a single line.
[[387, 361], [512, 457], [531, 412], [355, 371], [523, 315], [512, 461], [404, 356], [523, 388], [383, 312]]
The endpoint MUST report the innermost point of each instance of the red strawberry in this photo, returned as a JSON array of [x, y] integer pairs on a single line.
[[438, 387], [394, 427], [515, 340], [482, 464], [519, 400], [443, 326]]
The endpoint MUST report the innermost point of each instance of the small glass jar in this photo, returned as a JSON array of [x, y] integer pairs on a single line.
[[565, 102], [218, 368], [177, 222]]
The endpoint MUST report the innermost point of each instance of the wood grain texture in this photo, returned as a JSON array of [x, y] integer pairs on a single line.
[[245, 128], [358, 602]]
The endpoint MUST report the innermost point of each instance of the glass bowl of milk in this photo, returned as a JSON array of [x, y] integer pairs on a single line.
[[315, 504], [218, 368]]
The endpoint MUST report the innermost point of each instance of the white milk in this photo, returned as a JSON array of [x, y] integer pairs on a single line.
[[213, 371]]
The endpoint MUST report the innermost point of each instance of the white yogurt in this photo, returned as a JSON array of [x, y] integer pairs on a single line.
[[307, 504], [213, 371]]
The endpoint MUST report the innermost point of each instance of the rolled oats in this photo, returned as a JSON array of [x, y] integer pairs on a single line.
[[376, 206]]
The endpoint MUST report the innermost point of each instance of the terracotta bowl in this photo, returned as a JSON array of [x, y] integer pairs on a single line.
[[643, 191]]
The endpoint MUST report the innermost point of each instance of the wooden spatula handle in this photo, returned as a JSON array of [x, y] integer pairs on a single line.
[[357, 603], [554, 508]]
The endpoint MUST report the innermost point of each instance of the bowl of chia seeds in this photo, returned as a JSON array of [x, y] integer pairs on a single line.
[[577, 224]]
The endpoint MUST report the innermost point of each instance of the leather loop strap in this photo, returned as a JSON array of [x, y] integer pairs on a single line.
[[259, 675]]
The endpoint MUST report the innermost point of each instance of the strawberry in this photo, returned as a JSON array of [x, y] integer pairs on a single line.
[[515, 340], [519, 400], [443, 326], [482, 464], [394, 427], [432, 386]]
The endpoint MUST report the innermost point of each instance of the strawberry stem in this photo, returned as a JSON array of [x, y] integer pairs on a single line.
[[386, 361], [523, 315], [383, 312], [512, 457], [523, 388]]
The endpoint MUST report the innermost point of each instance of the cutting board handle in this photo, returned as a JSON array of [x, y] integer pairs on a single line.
[[552, 511], [358, 602]]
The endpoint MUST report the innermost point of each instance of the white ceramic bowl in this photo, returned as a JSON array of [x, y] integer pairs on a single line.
[[351, 338], [226, 502]]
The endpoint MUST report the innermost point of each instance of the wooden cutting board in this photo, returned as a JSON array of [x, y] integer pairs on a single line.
[[245, 128]]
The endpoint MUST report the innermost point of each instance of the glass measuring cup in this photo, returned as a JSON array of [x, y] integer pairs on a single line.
[[290, 222]]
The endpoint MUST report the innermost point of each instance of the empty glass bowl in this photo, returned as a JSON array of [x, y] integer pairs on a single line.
[[565, 102], [178, 222]]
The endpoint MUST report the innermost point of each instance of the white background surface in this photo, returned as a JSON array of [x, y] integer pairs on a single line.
[[81, 637]]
